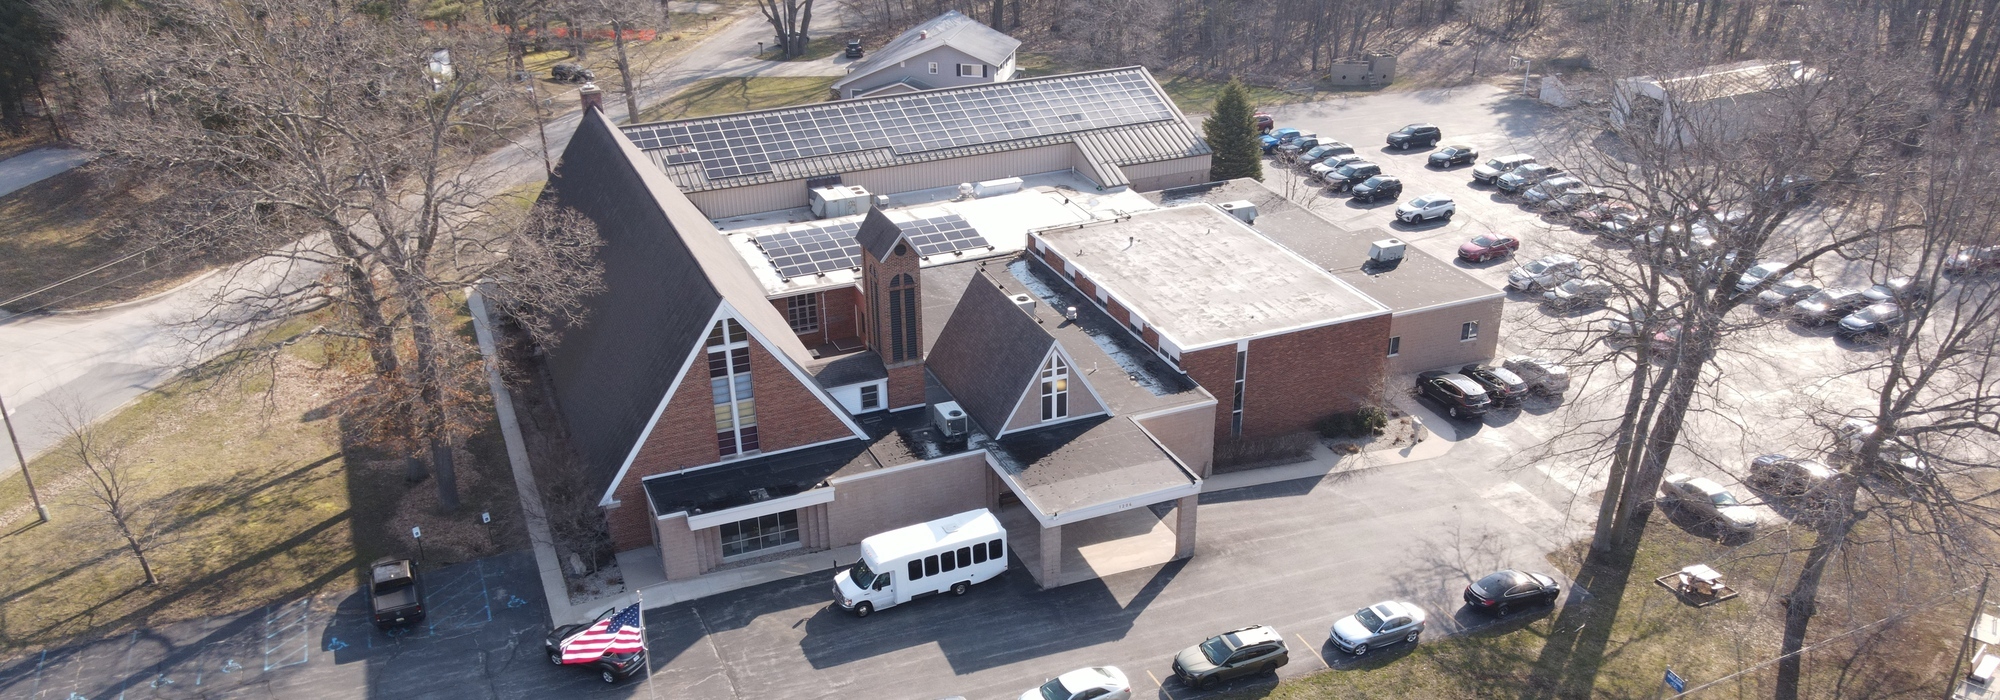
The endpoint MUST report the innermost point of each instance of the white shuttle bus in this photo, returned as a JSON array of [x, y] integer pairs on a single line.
[[947, 554]]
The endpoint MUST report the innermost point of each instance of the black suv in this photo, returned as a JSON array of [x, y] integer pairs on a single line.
[[1377, 187], [571, 73], [395, 596], [1414, 135], [1254, 649], [1828, 305], [1347, 176], [1506, 388], [854, 49], [610, 667], [1460, 396]]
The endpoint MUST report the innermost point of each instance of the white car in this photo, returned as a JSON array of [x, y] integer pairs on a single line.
[[1760, 272], [1500, 165], [1543, 375], [1708, 498], [1545, 273], [1377, 626], [1431, 206], [1094, 683]]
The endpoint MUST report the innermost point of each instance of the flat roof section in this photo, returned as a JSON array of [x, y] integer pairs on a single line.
[[1202, 278], [1418, 281]]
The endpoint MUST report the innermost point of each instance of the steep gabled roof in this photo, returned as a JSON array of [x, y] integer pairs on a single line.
[[666, 271], [949, 29], [988, 354], [878, 235]]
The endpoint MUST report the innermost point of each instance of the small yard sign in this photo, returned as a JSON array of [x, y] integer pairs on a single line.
[[1674, 681]]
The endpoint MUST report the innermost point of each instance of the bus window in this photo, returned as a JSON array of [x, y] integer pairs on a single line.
[[965, 556], [950, 562], [979, 554], [916, 569], [994, 550], [930, 565]]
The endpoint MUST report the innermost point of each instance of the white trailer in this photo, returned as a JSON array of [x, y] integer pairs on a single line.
[[901, 565]]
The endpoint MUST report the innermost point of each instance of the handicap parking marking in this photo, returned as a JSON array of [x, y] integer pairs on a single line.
[[288, 634], [461, 602]]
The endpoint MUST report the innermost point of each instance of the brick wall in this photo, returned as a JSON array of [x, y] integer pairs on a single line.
[[906, 386], [875, 279], [873, 504], [678, 551], [1296, 379], [788, 415]]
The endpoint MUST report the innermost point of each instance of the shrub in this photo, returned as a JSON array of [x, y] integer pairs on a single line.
[[1370, 420], [1230, 452]]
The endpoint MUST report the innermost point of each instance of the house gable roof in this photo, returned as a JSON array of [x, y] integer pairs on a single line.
[[667, 274], [949, 29], [988, 354], [878, 235]]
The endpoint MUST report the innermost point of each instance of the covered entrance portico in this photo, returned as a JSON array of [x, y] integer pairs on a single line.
[[1106, 499]]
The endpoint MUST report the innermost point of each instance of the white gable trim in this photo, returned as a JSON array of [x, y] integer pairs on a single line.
[[723, 310], [672, 387], [1075, 375]]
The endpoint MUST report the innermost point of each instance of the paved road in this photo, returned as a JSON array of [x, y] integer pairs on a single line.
[[101, 360], [37, 165]]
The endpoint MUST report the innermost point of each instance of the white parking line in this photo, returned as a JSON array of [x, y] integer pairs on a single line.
[[1158, 684], [1315, 651]]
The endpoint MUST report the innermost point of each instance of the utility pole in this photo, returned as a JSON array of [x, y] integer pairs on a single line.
[[40, 510]]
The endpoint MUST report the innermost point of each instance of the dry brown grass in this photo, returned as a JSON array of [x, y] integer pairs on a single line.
[[76, 221]]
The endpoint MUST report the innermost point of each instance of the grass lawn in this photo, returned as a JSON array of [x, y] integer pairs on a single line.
[[1603, 650], [1192, 95], [725, 95], [73, 222], [253, 498]]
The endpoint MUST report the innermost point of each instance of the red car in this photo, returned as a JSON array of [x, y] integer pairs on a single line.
[[1487, 246], [1264, 122]]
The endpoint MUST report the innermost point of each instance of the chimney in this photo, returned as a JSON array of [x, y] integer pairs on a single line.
[[925, 34], [591, 96]]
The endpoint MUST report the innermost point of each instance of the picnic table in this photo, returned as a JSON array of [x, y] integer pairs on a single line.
[[1699, 585]]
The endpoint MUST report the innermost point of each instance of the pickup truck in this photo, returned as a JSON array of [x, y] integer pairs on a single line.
[[395, 595]]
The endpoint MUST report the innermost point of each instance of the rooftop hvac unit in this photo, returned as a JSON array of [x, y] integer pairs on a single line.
[[839, 200], [1025, 302], [992, 187], [1386, 250], [952, 423], [1241, 209]]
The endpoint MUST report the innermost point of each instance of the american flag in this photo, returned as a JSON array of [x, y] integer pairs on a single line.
[[619, 634]]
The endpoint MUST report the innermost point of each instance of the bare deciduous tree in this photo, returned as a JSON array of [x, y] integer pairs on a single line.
[[111, 480], [792, 21]]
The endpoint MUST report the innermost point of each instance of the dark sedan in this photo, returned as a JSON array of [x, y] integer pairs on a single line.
[[1901, 290], [610, 667], [1506, 388], [1487, 246], [1828, 305], [1502, 592], [1973, 260], [1785, 293], [1453, 155]]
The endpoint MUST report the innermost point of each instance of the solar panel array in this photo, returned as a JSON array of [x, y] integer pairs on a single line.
[[747, 144], [822, 248]]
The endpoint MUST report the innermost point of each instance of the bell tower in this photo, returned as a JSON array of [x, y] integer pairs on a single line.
[[892, 290]]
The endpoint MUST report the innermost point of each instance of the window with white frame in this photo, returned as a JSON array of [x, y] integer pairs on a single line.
[[765, 532], [871, 397], [729, 383], [1055, 388], [803, 312], [970, 70], [933, 67], [1395, 345], [1468, 330]]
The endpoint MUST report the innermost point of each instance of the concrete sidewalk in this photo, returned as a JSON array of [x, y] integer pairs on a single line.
[[37, 165], [1436, 442]]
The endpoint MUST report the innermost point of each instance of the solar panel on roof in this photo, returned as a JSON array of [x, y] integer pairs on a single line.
[[821, 248], [743, 145]]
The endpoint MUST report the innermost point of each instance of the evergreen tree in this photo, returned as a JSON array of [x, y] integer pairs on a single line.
[[1232, 134]]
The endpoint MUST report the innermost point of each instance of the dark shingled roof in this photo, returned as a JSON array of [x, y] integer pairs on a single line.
[[988, 353], [665, 272], [949, 29], [848, 369], [878, 235], [1088, 462], [779, 475]]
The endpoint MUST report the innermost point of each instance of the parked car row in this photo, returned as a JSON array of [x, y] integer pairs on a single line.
[[1474, 390]]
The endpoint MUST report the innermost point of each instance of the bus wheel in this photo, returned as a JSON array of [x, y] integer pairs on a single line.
[[960, 588], [863, 609]]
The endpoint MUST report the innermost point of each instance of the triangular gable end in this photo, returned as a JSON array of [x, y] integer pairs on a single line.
[[1032, 393], [725, 310]]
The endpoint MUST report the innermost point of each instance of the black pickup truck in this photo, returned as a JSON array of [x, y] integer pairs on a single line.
[[395, 595]]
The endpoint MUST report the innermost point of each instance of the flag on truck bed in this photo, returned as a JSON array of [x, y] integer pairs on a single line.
[[619, 634]]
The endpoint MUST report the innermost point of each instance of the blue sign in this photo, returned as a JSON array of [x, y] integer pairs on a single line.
[[1675, 682]]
